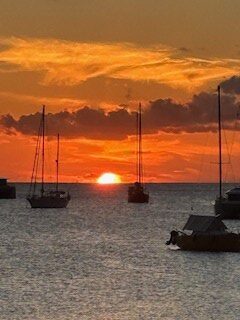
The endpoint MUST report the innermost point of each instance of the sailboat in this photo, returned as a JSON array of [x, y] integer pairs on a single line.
[[46, 199], [227, 205], [137, 193]]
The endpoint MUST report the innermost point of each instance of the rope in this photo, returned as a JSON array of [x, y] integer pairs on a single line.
[[203, 155], [35, 162]]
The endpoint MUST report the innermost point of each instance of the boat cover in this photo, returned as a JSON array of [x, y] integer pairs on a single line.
[[204, 223]]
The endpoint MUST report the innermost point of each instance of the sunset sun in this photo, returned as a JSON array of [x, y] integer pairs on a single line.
[[108, 178]]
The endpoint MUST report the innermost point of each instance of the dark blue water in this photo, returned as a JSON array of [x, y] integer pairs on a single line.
[[102, 258]]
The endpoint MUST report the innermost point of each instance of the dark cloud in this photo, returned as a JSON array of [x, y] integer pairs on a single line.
[[86, 122], [231, 85], [198, 115]]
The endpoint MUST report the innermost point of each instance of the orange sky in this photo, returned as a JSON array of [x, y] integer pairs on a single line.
[[109, 57]]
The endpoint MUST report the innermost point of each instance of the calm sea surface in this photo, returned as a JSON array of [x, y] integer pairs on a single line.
[[102, 258]]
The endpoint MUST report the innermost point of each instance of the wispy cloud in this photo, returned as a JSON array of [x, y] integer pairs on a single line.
[[70, 63], [53, 101]]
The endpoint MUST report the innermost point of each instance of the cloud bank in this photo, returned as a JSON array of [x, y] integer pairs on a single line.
[[232, 85], [198, 115]]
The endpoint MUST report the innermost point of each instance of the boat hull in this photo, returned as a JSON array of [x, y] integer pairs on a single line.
[[46, 202], [227, 209], [138, 198], [7, 192], [228, 242]]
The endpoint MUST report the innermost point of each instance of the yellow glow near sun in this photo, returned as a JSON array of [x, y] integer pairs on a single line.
[[109, 178]]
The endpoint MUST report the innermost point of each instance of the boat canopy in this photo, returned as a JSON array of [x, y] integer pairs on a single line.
[[204, 224], [234, 191]]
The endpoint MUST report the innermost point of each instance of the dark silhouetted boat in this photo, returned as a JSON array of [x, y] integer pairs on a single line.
[[46, 199], [227, 205], [205, 233], [137, 192], [7, 191]]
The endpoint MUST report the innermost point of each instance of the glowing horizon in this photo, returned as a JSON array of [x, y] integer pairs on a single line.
[[109, 178]]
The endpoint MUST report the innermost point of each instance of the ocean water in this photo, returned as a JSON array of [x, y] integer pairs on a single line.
[[102, 258]]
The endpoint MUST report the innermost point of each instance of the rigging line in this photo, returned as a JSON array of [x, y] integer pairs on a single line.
[[142, 155], [202, 157], [137, 142], [43, 150], [48, 148], [49, 168], [229, 152], [227, 149], [212, 119], [234, 132], [35, 159], [231, 147], [140, 144], [57, 163], [202, 162], [206, 144], [229, 157], [237, 136], [233, 139], [220, 141]]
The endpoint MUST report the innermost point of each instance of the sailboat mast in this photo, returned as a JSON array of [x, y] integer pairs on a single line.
[[43, 148], [220, 142], [140, 144], [57, 161], [137, 146]]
